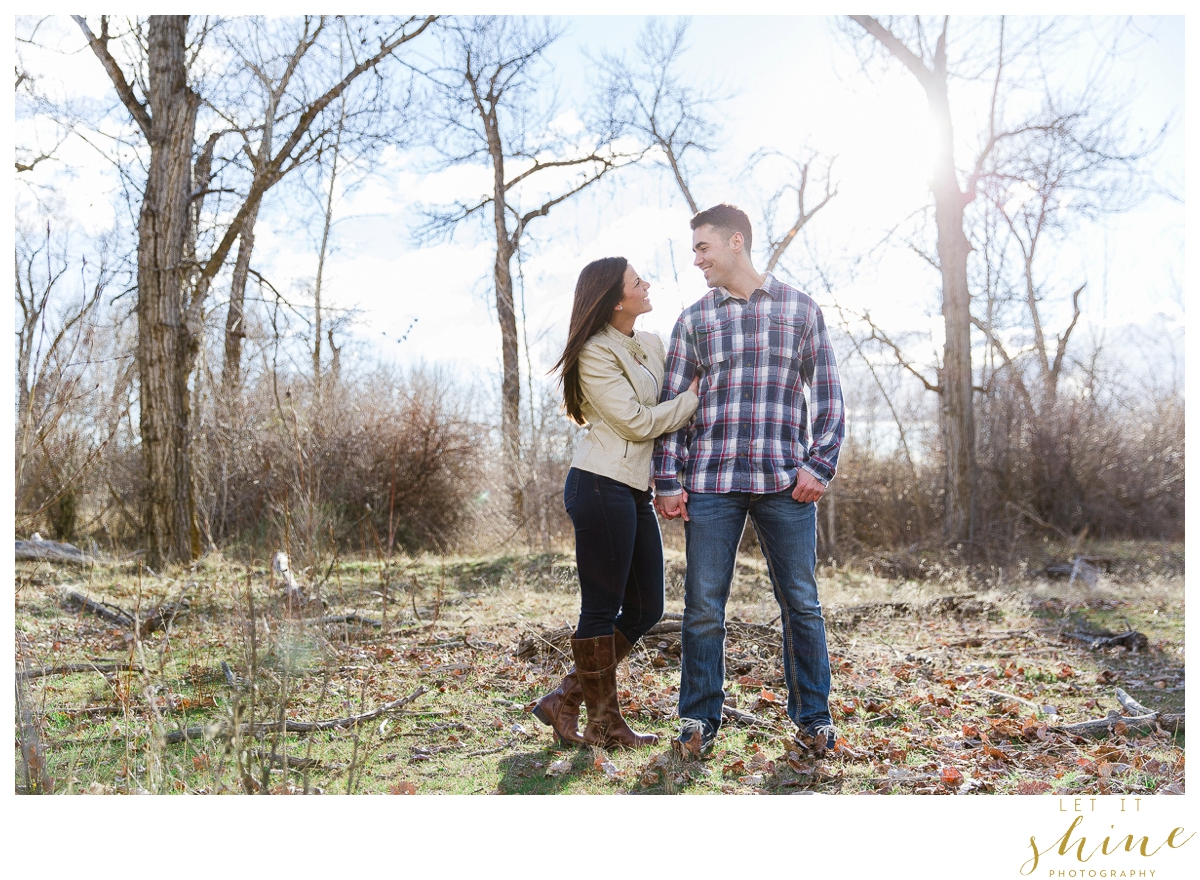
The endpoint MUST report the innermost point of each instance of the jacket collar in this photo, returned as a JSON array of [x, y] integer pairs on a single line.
[[631, 343]]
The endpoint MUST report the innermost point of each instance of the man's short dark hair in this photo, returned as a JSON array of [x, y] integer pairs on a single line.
[[730, 218]]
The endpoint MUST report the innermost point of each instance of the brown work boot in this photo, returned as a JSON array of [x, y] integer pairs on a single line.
[[596, 669], [559, 709]]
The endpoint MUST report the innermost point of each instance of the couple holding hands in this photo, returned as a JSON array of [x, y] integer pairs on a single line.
[[721, 424]]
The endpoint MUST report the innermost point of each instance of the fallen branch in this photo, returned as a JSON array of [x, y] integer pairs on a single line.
[[225, 730], [1130, 705], [352, 617], [103, 610], [37, 550], [1130, 640], [69, 668], [739, 717], [1144, 721], [1123, 725], [161, 617], [961, 604], [978, 641]]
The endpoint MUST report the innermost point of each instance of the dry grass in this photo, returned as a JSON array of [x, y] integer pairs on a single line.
[[911, 689]]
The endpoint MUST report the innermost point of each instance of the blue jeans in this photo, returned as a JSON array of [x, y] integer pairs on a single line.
[[618, 550], [787, 533]]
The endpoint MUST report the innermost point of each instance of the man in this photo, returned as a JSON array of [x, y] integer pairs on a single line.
[[757, 343]]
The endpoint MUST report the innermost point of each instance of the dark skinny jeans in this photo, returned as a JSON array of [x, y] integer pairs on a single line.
[[618, 550]]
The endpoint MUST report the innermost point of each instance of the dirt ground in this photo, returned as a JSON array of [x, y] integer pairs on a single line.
[[945, 681]]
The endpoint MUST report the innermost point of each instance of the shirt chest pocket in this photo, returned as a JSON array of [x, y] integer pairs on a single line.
[[714, 343], [785, 336]]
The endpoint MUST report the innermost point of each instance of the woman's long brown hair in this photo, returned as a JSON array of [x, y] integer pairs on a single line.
[[600, 287]]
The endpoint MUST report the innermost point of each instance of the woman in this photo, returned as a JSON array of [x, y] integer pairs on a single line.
[[611, 376]]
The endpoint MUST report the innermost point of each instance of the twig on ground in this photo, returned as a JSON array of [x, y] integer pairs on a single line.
[[1013, 697], [1130, 705], [68, 668], [351, 617], [290, 761], [739, 717], [224, 730]]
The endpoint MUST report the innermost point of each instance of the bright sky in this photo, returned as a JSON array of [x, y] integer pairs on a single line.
[[796, 82]]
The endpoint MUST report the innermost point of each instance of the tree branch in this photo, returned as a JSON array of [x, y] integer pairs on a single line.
[[901, 52], [274, 170], [879, 336], [100, 47]]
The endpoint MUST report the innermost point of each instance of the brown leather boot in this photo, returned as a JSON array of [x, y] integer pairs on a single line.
[[559, 709], [596, 669]]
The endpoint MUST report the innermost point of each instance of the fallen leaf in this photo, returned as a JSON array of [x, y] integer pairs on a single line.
[[1033, 786], [737, 768], [404, 788], [558, 768], [952, 776]]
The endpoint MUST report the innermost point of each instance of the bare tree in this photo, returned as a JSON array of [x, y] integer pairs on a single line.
[[987, 56], [496, 111], [173, 285], [647, 97], [55, 350], [797, 192], [1038, 189]]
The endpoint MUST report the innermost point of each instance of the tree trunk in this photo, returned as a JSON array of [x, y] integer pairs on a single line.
[[235, 317], [164, 351], [316, 351], [958, 418], [955, 387], [510, 385]]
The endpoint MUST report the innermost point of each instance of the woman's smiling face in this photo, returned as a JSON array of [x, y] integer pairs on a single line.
[[636, 294]]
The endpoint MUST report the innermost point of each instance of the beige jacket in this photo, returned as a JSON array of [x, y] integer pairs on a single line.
[[620, 378]]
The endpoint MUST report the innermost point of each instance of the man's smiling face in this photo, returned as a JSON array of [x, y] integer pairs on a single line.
[[716, 253]]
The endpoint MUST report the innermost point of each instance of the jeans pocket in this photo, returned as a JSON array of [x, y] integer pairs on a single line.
[[570, 488]]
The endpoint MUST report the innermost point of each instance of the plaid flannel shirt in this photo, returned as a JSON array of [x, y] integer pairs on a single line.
[[751, 432]]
